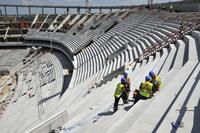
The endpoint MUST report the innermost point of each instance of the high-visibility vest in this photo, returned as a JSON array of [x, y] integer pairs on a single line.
[[120, 88], [146, 89], [156, 82]]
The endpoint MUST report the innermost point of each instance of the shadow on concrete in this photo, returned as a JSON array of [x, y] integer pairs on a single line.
[[66, 83], [128, 107], [196, 122], [183, 109], [173, 101], [105, 113], [47, 98]]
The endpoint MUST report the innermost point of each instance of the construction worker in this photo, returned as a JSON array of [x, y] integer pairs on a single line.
[[181, 30], [155, 80], [170, 8], [127, 86], [119, 93], [145, 90]]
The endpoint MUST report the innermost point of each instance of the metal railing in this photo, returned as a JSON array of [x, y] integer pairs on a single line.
[[56, 7], [185, 28]]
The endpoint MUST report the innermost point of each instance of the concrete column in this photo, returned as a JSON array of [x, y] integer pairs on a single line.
[[199, 8], [89, 10], [78, 10], [29, 9], [17, 11], [1, 12], [67, 11], [42, 10], [55, 10], [5, 10]]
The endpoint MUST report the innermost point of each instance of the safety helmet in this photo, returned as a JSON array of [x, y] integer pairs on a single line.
[[147, 78], [125, 74], [152, 74], [123, 80]]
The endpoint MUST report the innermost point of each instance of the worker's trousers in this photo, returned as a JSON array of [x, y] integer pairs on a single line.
[[124, 97], [139, 97], [116, 103]]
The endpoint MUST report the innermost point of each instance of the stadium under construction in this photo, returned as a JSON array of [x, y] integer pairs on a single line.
[[59, 71]]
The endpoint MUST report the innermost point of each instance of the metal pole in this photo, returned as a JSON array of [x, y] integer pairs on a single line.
[[5, 10], [29, 8], [89, 10], [17, 11], [42, 10], [51, 42], [78, 10], [87, 5], [55, 10]]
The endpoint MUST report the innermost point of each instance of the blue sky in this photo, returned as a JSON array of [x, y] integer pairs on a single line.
[[12, 10], [81, 2]]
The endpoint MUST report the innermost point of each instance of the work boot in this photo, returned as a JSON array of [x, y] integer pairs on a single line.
[[125, 101], [115, 109]]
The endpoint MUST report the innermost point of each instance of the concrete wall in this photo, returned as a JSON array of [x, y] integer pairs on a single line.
[[50, 124]]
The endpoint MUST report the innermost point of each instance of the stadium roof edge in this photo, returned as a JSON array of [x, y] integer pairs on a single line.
[[61, 6]]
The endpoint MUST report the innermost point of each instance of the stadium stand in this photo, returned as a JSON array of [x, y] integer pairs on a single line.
[[13, 28], [115, 37], [96, 120], [74, 93], [39, 85]]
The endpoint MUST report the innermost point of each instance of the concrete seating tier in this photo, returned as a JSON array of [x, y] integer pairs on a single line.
[[8, 59], [136, 34], [178, 68], [38, 90], [73, 43]]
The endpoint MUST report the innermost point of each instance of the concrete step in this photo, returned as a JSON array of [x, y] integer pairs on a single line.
[[178, 109], [168, 63], [160, 107]]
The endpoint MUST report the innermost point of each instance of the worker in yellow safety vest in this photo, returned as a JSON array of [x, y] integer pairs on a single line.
[[156, 81], [145, 90], [119, 93]]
